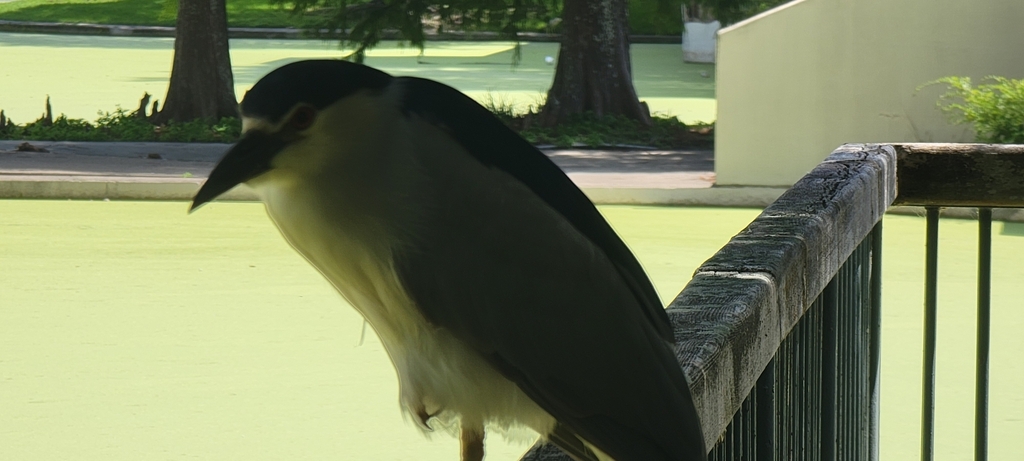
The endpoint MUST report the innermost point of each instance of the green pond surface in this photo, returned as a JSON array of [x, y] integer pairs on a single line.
[[132, 330], [85, 74]]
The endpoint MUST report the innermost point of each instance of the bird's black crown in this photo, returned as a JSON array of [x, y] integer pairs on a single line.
[[318, 83]]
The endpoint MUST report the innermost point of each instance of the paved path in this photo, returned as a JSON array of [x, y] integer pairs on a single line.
[[174, 171]]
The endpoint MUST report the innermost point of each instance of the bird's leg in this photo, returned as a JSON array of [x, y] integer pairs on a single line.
[[472, 444]]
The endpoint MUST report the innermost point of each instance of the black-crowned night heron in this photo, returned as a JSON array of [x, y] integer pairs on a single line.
[[502, 296]]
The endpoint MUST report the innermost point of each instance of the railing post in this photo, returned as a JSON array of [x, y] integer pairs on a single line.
[[930, 299], [829, 331], [984, 322], [765, 410], [876, 339]]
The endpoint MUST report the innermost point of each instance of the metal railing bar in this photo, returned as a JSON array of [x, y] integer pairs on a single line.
[[984, 325], [842, 361], [875, 366], [797, 373], [765, 422], [854, 392], [852, 341], [828, 370], [750, 442], [729, 443], [930, 298], [817, 366], [806, 392], [785, 405], [864, 359]]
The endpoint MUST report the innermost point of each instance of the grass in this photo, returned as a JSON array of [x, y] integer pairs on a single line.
[[645, 18], [131, 328], [241, 13]]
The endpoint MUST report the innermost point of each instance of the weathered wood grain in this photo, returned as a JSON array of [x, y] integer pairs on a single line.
[[741, 303], [960, 175], [731, 318]]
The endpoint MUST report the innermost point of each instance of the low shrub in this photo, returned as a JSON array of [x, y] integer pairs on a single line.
[[995, 110], [589, 130], [585, 130], [123, 125]]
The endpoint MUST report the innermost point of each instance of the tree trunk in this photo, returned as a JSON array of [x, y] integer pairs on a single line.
[[202, 86], [594, 72]]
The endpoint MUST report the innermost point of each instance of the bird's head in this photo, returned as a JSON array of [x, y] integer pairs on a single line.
[[286, 110]]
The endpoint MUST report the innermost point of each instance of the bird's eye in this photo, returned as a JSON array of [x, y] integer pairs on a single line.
[[303, 118]]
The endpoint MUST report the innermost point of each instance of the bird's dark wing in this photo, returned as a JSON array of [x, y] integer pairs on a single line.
[[492, 143], [546, 291], [506, 274]]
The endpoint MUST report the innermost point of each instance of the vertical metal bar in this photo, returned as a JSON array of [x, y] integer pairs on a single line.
[[828, 371], [785, 409], [849, 375], [930, 298], [808, 447], [813, 376], [797, 421], [765, 411], [842, 378], [984, 323], [745, 427], [876, 338], [730, 436], [856, 395], [861, 351], [750, 425]]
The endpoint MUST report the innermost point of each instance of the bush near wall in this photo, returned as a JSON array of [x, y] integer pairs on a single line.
[[995, 110]]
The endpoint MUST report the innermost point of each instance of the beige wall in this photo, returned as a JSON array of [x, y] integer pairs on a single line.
[[798, 81]]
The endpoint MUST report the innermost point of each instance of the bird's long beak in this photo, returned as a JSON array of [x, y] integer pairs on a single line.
[[247, 159]]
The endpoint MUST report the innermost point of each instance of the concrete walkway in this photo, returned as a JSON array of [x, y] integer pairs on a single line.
[[174, 171]]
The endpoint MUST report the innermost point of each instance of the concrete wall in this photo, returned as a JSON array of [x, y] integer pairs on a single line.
[[797, 81]]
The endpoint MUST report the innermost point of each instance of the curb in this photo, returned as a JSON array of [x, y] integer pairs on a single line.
[[184, 190], [83, 188], [174, 171], [288, 33]]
